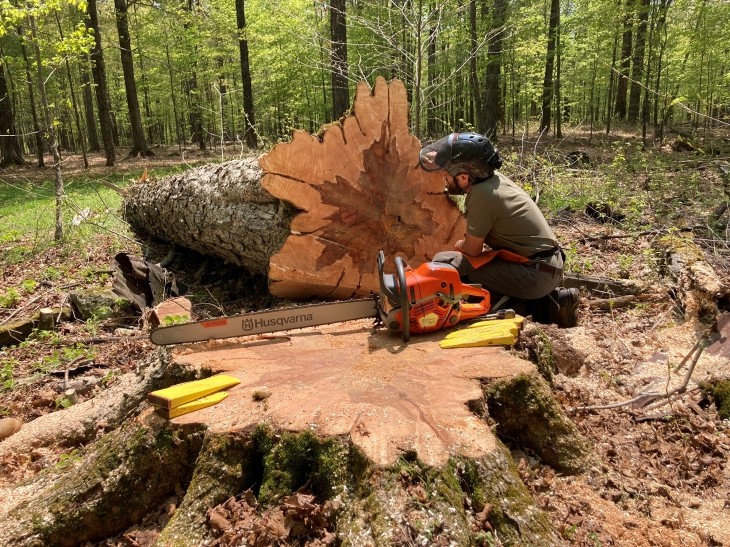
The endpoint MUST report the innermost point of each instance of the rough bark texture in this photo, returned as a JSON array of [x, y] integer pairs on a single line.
[[127, 474], [693, 283], [80, 423], [358, 189], [217, 209]]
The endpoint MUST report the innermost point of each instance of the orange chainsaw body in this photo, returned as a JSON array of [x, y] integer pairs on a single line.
[[434, 298]]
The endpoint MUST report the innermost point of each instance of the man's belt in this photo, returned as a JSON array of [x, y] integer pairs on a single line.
[[544, 254], [543, 267]]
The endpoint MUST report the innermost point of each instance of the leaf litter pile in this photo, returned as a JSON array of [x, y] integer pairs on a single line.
[[661, 474]]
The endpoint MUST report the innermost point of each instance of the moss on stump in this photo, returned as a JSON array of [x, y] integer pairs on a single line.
[[122, 477], [526, 412]]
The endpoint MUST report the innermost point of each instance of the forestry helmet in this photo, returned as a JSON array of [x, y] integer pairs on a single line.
[[470, 153]]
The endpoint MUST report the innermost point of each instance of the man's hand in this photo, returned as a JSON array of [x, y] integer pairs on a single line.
[[470, 245]]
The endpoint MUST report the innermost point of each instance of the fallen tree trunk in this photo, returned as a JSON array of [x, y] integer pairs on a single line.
[[317, 211], [219, 210]]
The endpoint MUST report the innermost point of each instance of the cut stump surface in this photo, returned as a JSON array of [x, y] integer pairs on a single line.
[[350, 379]]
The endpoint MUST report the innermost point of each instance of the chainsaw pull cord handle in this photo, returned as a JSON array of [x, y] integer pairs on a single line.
[[400, 268]]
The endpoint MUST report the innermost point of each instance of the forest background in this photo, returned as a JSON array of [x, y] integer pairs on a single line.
[[99, 75], [88, 83]]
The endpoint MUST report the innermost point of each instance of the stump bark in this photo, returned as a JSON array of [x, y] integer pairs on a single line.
[[315, 212]]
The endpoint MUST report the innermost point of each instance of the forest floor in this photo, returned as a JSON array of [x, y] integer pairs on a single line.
[[663, 476]]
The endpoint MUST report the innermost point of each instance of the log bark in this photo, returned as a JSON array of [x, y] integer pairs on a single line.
[[219, 210], [318, 210], [396, 440], [691, 281]]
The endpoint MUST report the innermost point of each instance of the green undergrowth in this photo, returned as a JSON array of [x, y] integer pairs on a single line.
[[649, 188], [90, 206]]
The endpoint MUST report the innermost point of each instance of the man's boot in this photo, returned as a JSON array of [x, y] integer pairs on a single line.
[[564, 311], [560, 307]]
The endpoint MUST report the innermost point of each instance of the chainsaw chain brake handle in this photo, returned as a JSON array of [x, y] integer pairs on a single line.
[[428, 298], [395, 289]]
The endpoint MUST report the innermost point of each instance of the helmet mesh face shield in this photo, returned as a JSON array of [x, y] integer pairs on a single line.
[[461, 153], [437, 156]]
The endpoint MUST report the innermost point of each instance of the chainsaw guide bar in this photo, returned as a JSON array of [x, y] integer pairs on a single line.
[[266, 321], [425, 299]]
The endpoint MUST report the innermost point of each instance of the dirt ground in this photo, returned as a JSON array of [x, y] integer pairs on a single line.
[[662, 476]]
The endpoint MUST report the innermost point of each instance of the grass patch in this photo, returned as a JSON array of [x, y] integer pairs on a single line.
[[90, 206]]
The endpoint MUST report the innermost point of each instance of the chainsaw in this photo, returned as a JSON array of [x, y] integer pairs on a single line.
[[421, 300]]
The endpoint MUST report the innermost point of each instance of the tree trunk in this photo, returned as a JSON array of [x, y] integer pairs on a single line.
[[39, 144], [248, 110], [10, 152], [88, 98], [194, 109], [139, 142], [476, 91], [50, 131], [432, 125], [547, 84], [492, 97], [74, 104], [398, 441], [102, 93], [622, 86], [357, 188], [338, 33], [637, 62], [217, 209]]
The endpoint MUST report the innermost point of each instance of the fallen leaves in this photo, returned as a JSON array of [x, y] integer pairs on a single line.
[[298, 519]]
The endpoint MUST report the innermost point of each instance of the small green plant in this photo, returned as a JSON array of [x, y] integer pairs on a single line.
[[29, 286], [108, 378], [94, 275], [94, 322], [6, 373], [170, 320], [64, 460], [63, 402], [61, 357], [45, 336], [9, 298], [51, 273], [569, 531], [624, 263]]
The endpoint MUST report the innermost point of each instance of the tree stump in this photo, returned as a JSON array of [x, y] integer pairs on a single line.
[[318, 210], [396, 438]]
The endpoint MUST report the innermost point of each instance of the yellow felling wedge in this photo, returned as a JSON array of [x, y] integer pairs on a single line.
[[180, 394], [516, 320], [470, 332], [197, 404], [478, 340]]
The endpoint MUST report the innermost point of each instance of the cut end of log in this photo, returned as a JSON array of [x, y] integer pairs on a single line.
[[360, 191]]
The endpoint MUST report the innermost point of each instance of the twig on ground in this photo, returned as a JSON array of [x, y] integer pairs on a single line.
[[18, 310], [104, 339], [642, 400]]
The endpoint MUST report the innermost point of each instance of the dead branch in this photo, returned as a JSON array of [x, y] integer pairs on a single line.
[[607, 304], [643, 400]]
